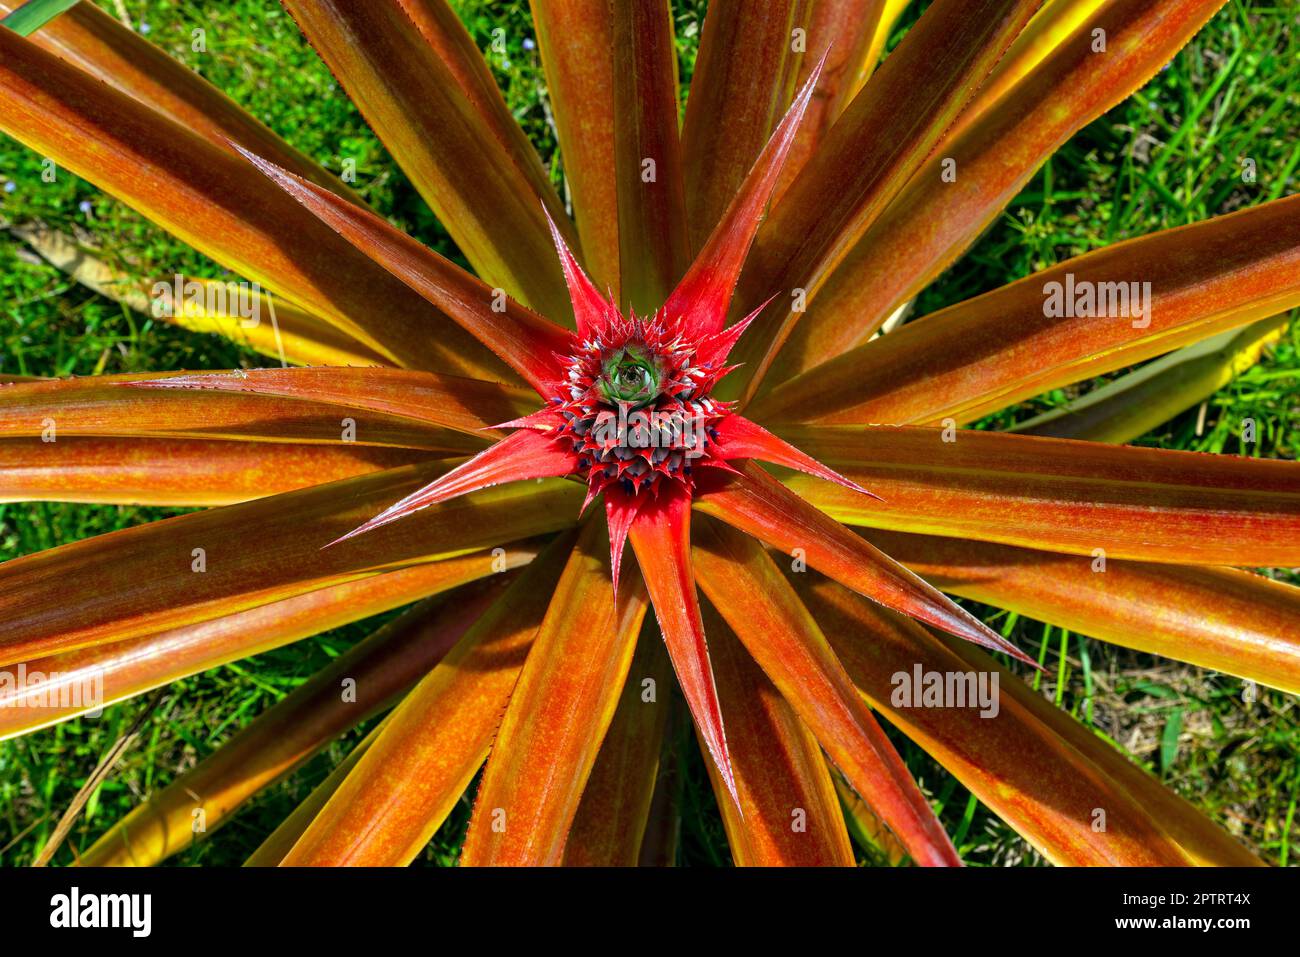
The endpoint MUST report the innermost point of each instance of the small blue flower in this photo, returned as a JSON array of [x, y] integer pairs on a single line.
[[529, 44], [85, 206], [10, 186], [144, 27]]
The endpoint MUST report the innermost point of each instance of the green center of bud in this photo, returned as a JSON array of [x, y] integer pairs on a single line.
[[631, 375]]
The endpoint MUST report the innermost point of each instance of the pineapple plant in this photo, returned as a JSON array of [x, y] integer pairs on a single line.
[[664, 462]]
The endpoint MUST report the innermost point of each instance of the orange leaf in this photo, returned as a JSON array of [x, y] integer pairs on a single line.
[[136, 665], [279, 842], [1056, 23], [1203, 841], [661, 539], [758, 505], [522, 339], [178, 472], [423, 87], [525, 454], [1161, 291], [300, 724], [791, 816], [653, 244], [611, 820], [575, 39], [868, 155], [842, 31], [790, 647], [205, 196], [705, 292], [933, 220], [1219, 618], [96, 42], [1034, 766], [1129, 406], [864, 824], [467, 405], [744, 77], [431, 746], [1059, 494], [204, 565], [559, 711], [315, 406]]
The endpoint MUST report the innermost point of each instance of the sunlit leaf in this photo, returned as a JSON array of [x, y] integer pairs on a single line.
[[123, 669], [204, 565], [791, 816], [297, 726], [466, 405], [280, 841], [1228, 620], [559, 710], [424, 88], [1137, 402], [868, 155], [844, 31], [522, 339], [1053, 25], [575, 40], [931, 223], [366, 409], [190, 472], [97, 42], [653, 242], [758, 505], [1048, 785], [400, 791], [1092, 314], [204, 196], [1060, 495], [251, 317], [785, 640]]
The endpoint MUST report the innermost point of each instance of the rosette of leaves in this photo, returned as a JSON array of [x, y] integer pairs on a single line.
[[736, 267]]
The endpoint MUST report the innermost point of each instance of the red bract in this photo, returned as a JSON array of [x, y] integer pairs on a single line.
[[692, 354]]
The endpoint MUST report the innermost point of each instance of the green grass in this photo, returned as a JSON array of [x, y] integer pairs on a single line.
[[1169, 155]]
